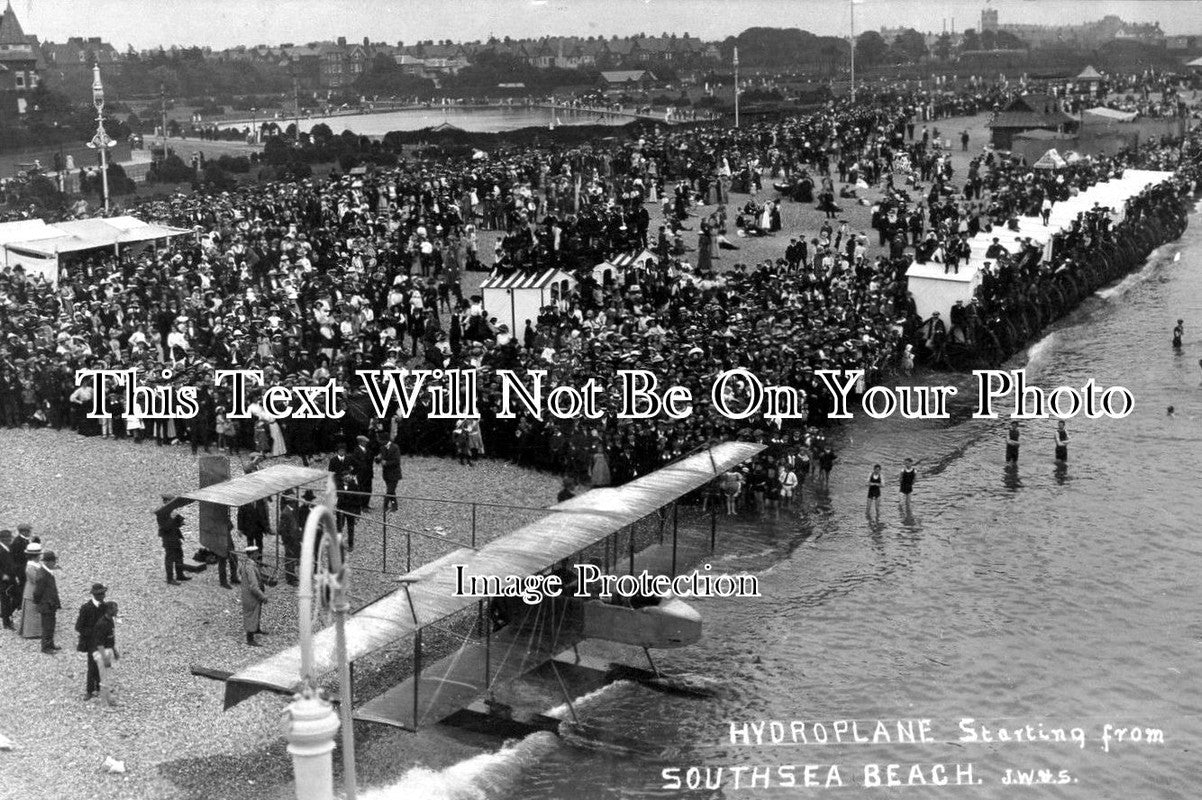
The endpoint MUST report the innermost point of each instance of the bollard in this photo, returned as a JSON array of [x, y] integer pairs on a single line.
[[310, 729]]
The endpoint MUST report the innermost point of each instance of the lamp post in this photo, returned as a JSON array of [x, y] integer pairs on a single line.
[[736, 86], [851, 6], [163, 111], [254, 118], [312, 722], [101, 140]]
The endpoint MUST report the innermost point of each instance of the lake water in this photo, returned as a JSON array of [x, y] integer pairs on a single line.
[[1061, 597], [478, 120]]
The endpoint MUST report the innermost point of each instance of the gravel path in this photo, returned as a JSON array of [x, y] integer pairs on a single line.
[[90, 500]]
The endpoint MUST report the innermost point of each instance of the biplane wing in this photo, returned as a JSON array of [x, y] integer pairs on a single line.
[[429, 595]]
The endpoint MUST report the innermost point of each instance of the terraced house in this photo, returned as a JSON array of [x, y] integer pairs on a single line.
[[18, 66]]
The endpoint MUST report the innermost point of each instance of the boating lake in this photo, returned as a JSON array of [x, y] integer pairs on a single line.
[[1066, 598], [477, 120]]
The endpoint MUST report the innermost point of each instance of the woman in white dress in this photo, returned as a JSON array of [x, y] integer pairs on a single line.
[[278, 447], [31, 620]]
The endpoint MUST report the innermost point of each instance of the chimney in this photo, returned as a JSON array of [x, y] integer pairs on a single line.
[[342, 41]]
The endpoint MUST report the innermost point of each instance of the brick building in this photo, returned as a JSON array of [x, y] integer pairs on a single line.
[[18, 65]]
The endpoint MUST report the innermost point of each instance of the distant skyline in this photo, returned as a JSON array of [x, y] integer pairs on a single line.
[[226, 23]]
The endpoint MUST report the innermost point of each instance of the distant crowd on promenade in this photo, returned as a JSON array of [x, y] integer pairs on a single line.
[[317, 279]]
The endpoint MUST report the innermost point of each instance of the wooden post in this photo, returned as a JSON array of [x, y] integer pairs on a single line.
[[417, 672], [713, 526], [675, 528], [488, 646], [632, 530]]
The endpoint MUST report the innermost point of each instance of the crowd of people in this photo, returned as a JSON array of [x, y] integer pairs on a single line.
[[29, 585], [313, 280]]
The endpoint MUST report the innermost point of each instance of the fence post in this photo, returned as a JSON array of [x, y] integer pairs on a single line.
[[632, 532], [409, 551], [675, 529], [384, 530], [473, 526], [713, 526]]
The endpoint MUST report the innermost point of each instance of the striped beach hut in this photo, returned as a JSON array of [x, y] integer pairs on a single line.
[[616, 267], [519, 296]]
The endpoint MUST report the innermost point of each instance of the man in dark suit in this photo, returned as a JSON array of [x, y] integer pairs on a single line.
[[9, 580], [254, 521], [20, 543], [89, 614], [363, 463], [172, 535], [390, 460], [45, 597], [345, 481]]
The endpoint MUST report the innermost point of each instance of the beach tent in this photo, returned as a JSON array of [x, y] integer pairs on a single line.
[[1103, 115], [933, 289], [43, 248], [1050, 160], [614, 268], [1112, 194], [31, 230], [521, 295]]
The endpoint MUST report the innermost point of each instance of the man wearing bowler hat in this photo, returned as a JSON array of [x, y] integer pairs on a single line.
[[45, 597], [89, 614], [253, 596]]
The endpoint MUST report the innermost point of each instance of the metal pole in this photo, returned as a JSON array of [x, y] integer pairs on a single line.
[[101, 139], [312, 720], [384, 527], [632, 530], [417, 646], [851, 5], [296, 104], [163, 107], [473, 526], [417, 670], [736, 87], [675, 528], [713, 527]]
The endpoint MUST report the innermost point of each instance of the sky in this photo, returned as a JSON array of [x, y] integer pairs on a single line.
[[224, 23]]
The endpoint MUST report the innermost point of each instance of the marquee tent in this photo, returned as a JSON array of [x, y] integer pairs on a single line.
[[1050, 160], [933, 290], [39, 247], [31, 230], [1103, 114]]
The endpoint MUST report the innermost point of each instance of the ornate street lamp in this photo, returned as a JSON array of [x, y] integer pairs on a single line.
[[101, 140]]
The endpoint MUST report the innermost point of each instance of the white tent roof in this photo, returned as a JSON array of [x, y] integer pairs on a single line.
[[89, 234], [526, 279], [26, 230], [1110, 113], [1050, 160], [1111, 194]]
